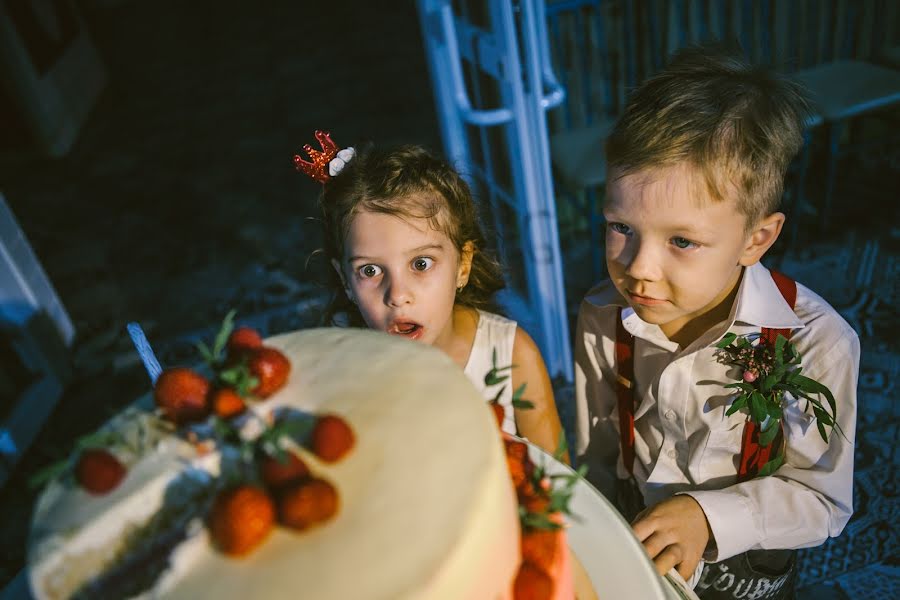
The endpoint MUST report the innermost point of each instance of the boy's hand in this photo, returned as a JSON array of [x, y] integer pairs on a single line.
[[675, 533]]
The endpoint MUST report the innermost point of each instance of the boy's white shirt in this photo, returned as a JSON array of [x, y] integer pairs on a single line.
[[684, 443]]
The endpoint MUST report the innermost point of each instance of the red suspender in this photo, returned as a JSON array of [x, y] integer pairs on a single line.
[[753, 456], [625, 391]]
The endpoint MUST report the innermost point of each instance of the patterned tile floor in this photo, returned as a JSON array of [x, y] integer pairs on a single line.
[[178, 202]]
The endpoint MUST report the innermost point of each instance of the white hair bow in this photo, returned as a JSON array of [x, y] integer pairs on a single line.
[[337, 164]]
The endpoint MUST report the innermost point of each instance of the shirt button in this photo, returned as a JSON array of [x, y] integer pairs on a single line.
[[672, 453], [670, 415]]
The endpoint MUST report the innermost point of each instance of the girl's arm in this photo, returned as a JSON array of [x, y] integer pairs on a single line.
[[539, 424]]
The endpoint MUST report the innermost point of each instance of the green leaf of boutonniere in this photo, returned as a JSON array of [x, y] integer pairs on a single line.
[[779, 348], [772, 466], [769, 432], [739, 403], [726, 341], [768, 374], [757, 407]]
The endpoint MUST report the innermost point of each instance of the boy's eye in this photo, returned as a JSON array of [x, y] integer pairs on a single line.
[[619, 228], [368, 271], [684, 244], [423, 263]]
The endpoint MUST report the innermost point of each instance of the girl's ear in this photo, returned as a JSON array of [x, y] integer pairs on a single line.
[[337, 267], [465, 264], [761, 238]]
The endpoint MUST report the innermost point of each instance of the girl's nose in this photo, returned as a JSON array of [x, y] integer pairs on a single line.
[[398, 292]]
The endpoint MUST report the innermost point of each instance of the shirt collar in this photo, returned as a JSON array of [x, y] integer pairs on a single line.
[[638, 327], [760, 303]]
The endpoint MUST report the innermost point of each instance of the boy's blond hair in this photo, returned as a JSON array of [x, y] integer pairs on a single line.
[[739, 125]]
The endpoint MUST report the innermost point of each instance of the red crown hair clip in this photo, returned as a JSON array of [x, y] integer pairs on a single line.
[[317, 167]]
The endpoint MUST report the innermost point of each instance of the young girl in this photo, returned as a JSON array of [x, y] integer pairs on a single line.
[[403, 234]]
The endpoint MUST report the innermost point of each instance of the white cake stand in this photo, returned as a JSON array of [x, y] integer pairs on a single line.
[[603, 541]]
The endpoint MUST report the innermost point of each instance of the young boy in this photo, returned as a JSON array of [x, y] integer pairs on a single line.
[[696, 168]]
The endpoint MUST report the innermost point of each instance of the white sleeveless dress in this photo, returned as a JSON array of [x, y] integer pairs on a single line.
[[493, 332]]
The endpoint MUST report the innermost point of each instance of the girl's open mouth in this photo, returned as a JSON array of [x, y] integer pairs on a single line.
[[407, 329]]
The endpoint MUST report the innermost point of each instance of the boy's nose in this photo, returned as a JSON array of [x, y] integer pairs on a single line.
[[398, 292], [641, 262]]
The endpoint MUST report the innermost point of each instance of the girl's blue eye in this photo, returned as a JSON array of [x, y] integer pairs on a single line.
[[422, 263], [369, 271], [680, 242], [620, 228]]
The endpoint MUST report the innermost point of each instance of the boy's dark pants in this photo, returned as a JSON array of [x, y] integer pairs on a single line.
[[755, 574]]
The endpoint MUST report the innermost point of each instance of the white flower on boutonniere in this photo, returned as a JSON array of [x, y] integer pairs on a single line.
[[337, 164]]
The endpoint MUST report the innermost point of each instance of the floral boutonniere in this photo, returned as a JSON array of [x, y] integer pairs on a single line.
[[768, 373]]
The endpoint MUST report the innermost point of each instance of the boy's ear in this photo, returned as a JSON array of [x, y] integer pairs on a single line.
[[761, 238], [465, 264]]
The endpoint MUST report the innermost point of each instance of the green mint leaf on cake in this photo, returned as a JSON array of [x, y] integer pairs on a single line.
[[547, 497], [207, 354], [493, 378], [215, 356], [48, 473], [295, 426], [517, 400], [561, 447], [532, 520], [103, 438], [239, 378], [495, 375], [224, 333]]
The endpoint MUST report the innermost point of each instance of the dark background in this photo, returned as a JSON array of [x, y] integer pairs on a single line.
[[179, 201]]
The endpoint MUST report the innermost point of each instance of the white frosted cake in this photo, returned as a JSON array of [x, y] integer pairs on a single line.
[[427, 509]]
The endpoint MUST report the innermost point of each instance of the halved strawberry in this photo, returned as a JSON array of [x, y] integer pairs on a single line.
[[532, 584], [270, 367], [307, 503], [539, 547], [517, 461], [241, 519], [181, 393], [278, 471], [331, 438], [98, 471], [226, 403]]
